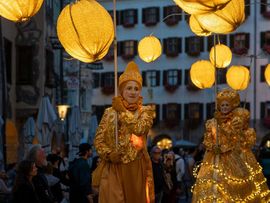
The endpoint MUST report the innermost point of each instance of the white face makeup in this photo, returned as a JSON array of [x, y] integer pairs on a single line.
[[225, 107], [131, 92]]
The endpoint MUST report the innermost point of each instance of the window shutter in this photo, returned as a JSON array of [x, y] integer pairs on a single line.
[[232, 41], [247, 8], [158, 77], [102, 79], [179, 112], [135, 43], [247, 40], [121, 17], [262, 109], [135, 16], [165, 11], [164, 111], [144, 78], [262, 73], [201, 44], [157, 14], [263, 5], [96, 77], [165, 77], [186, 116], [165, 46], [186, 44], [120, 48], [179, 44], [179, 77], [143, 15], [186, 76], [262, 39], [201, 110], [156, 120], [210, 43]]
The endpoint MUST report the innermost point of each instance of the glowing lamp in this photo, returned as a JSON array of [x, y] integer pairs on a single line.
[[197, 28], [201, 6], [62, 111], [225, 20], [149, 49], [267, 74], [238, 77], [19, 10], [223, 56], [85, 29], [202, 74]]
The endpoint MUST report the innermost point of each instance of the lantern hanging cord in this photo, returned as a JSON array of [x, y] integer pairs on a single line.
[[115, 69]]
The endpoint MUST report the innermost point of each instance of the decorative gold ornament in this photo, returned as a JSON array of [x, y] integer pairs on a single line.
[[202, 74], [223, 56], [201, 6], [267, 74], [225, 20], [85, 29], [238, 77], [149, 49], [19, 10], [197, 28], [132, 72]]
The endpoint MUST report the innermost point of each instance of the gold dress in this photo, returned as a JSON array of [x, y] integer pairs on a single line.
[[224, 175], [131, 181]]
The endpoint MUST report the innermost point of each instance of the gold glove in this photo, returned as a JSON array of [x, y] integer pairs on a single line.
[[117, 104], [115, 157]]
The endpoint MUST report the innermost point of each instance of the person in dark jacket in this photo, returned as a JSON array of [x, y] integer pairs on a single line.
[[40, 182], [23, 190], [80, 177]]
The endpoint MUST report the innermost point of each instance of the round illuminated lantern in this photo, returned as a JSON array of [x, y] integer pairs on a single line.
[[238, 77], [225, 20], [201, 6], [19, 10], [267, 74], [149, 49], [202, 74], [222, 57], [85, 29], [197, 28]]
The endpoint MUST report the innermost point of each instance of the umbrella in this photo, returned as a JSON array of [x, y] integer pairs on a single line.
[[75, 131], [28, 134], [45, 121], [184, 144], [93, 128]]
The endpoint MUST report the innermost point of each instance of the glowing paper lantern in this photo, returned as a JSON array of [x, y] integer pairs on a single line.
[[85, 29], [202, 74], [201, 6], [223, 56], [149, 49], [225, 20], [19, 10], [197, 28], [267, 74], [238, 77]]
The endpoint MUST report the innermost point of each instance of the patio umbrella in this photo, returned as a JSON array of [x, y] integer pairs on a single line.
[[75, 132], [93, 128], [184, 144], [45, 121], [28, 134]]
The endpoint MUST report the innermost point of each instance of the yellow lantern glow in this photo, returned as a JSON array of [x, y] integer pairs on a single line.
[[225, 20], [85, 29], [197, 28], [19, 10], [201, 6], [238, 77], [202, 74], [267, 74], [62, 111], [223, 56], [149, 49]]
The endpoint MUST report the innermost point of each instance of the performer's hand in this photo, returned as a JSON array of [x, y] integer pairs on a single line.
[[115, 157], [117, 104]]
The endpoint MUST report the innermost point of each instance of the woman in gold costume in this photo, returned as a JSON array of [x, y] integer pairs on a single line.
[[124, 174], [225, 175]]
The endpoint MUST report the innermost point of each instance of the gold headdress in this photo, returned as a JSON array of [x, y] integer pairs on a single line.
[[230, 96], [132, 72]]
